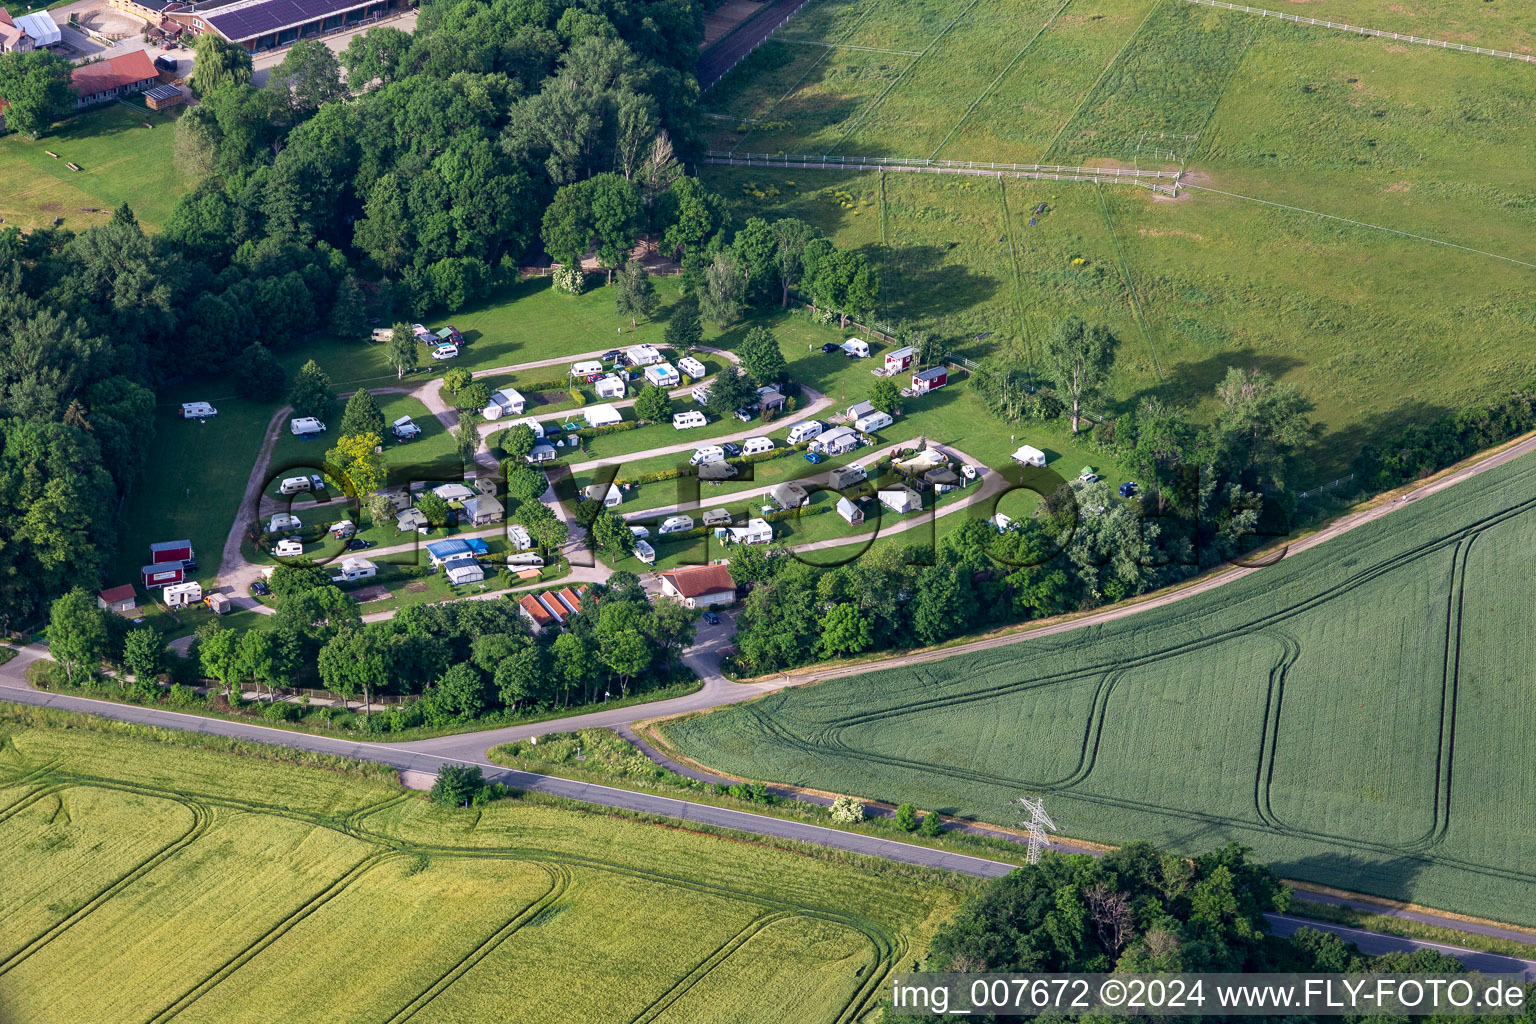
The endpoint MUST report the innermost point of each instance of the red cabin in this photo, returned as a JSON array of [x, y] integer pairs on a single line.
[[930, 379], [900, 359], [177, 551], [162, 574]]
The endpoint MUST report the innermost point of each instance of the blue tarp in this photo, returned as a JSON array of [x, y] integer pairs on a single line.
[[443, 549]]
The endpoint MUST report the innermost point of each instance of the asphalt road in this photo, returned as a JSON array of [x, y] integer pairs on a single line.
[[715, 62], [1375, 944]]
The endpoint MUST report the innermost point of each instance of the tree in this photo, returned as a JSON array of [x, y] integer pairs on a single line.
[[362, 415], [636, 294], [459, 695], [311, 394], [755, 250], [349, 317], [77, 633], [287, 580], [844, 630], [258, 374], [884, 395], [575, 662], [380, 510], [932, 825], [653, 404], [906, 818], [308, 76], [610, 534], [761, 357], [720, 298], [623, 652], [791, 235], [143, 653], [568, 226], [218, 64], [847, 811], [730, 390], [466, 437], [518, 441], [526, 483], [684, 332], [693, 216], [1260, 422], [1077, 360], [457, 785], [356, 457], [545, 529], [217, 650], [35, 85], [434, 508], [377, 55], [615, 219]]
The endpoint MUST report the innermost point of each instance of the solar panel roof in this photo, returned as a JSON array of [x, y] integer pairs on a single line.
[[246, 21]]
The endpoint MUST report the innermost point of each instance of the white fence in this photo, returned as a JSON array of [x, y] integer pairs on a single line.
[[1379, 33]]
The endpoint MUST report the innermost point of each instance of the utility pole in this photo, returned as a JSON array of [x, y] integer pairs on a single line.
[[1037, 824]]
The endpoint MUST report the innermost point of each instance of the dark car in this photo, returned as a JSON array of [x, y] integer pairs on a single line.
[[1128, 489], [712, 618], [611, 356], [829, 348], [260, 588], [189, 564], [732, 450], [361, 545]]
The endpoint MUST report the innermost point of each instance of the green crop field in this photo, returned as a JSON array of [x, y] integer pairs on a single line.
[[120, 161], [1355, 208], [1316, 710], [164, 879]]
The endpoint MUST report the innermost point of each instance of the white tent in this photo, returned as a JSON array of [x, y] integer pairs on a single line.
[[601, 416], [1029, 456], [40, 27]]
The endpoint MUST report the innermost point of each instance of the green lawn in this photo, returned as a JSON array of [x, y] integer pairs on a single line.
[[361, 902], [1391, 644], [120, 161]]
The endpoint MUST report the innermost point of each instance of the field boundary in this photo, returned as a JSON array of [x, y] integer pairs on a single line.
[[1053, 172], [848, 46], [1088, 93], [1358, 30]]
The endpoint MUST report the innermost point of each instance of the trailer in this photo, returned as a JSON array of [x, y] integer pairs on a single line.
[[183, 595]]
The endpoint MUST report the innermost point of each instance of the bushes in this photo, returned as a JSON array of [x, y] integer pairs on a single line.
[[613, 428], [906, 818], [847, 811], [460, 785], [1428, 447]]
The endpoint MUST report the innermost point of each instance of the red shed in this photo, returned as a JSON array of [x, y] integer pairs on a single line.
[[900, 359], [162, 574], [171, 551], [928, 380]]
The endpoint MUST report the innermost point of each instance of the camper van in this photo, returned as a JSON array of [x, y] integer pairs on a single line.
[[676, 524], [302, 425], [645, 552], [197, 411], [284, 521], [294, 485], [709, 453], [288, 548], [756, 445], [874, 421], [526, 559], [804, 431], [640, 532], [689, 419], [183, 595]]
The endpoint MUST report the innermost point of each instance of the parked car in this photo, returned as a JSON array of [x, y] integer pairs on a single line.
[[361, 545], [814, 458], [1128, 489], [317, 481], [829, 348], [711, 618], [260, 588], [731, 450], [611, 356], [189, 565], [445, 352]]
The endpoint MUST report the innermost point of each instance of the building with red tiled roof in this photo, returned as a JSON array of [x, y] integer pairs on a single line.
[[118, 599], [536, 612], [701, 586], [104, 80]]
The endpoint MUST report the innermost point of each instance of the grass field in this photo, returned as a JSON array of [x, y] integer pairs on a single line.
[[251, 890], [1313, 711], [120, 161]]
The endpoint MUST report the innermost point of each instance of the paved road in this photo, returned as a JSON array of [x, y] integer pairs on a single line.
[[716, 61], [1375, 944]]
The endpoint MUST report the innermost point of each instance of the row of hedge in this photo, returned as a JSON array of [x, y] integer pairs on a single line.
[[740, 460]]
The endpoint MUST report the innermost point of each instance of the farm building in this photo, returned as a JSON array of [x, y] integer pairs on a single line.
[[642, 355], [118, 599], [837, 441], [355, 569], [930, 379], [466, 572], [857, 348], [1029, 456], [483, 509], [197, 411], [757, 531], [601, 416], [701, 586], [273, 24], [405, 429], [692, 367], [899, 360], [102, 81], [530, 608], [688, 420], [847, 476], [787, 495], [411, 519], [518, 538], [162, 574], [876, 420], [183, 595], [608, 494], [717, 517], [611, 386], [663, 375], [506, 402], [541, 453], [28, 32], [305, 426], [453, 492], [852, 514], [163, 97], [901, 500]]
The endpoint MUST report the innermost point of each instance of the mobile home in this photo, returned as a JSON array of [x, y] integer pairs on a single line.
[[847, 476], [601, 416], [692, 367], [788, 495], [183, 595], [541, 453], [532, 424], [804, 431], [305, 426], [676, 524], [756, 445], [663, 375], [608, 494], [284, 521], [294, 485], [526, 560], [642, 355], [506, 402], [288, 549], [197, 411], [688, 420], [930, 379], [468, 572], [645, 552], [405, 429], [757, 531], [900, 500], [851, 513], [856, 348], [1029, 456], [899, 360], [837, 441], [610, 386], [353, 569], [873, 422], [587, 369]]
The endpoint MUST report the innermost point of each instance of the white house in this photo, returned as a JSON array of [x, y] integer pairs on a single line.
[[663, 375], [837, 441], [900, 500], [1028, 456], [284, 521], [405, 429], [611, 386], [531, 423], [518, 538], [701, 586], [642, 355], [688, 420], [601, 415], [675, 524], [608, 494], [874, 421], [692, 367], [858, 348], [469, 572], [506, 402], [355, 569], [851, 513], [757, 531], [302, 426]]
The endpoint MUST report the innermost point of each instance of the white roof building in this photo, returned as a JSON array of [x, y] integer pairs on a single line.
[[900, 500], [506, 402], [757, 531], [41, 27], [601, 415], [609, 495], [453, 492], [663, 375], [611, 386], [306, 425], [692, 367], [531, 423], [642, 355]]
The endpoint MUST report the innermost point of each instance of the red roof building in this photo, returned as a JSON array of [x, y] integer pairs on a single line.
[[118, 599], [701, 586], [104, 80], [535, 611]]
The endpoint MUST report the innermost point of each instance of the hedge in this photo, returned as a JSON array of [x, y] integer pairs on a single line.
[[740, 460]]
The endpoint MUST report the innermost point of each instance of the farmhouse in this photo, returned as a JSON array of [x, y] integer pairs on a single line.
[[601, 416], [484, 509], [530, 608], [611, 386], [642, 355], [701, 586], [787, 495], [899, 360], [930, 380], [102, 81], [117, 599], [852, 514], [692, 367], [663, 375], [506, 402], [608, 494], [900, 500], [272, 24], [847, 476]]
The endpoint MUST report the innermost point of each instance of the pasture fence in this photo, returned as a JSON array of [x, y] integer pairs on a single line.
[[1329, 486], [1401, 37], [1153, 179]]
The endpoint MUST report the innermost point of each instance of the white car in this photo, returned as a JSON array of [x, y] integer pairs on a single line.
[[445, 352]]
